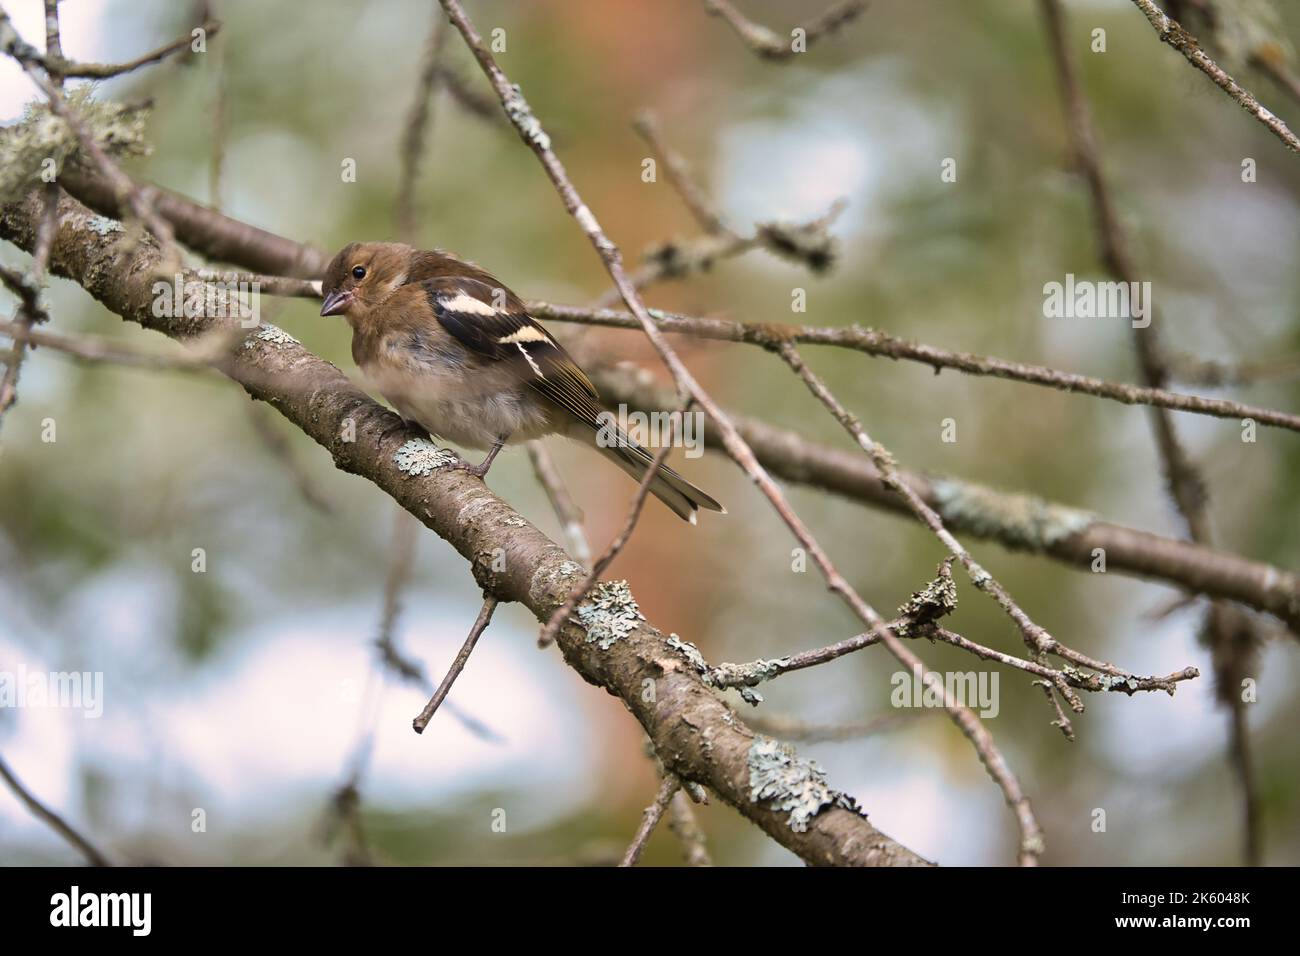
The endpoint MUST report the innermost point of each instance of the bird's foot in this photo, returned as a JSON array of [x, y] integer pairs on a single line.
[[478, 471], [481, 469]]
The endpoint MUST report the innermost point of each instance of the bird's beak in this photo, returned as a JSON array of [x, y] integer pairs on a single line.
[[336, 302]]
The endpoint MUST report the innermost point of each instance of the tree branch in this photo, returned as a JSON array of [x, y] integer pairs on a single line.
[[56, 822], [1017, 521], [1171, 31], [701, 738], [874, 342], [772, 46], [535, 137]]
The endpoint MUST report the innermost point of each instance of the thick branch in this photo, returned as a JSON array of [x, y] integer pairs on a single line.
[[698, 735], [1017, 521]]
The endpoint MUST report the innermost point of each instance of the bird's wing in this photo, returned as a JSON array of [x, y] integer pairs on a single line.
[[491, 321]]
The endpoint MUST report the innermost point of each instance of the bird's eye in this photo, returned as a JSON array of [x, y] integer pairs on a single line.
[[358, 272]]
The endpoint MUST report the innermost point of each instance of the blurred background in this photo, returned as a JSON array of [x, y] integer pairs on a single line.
[[246, 691]]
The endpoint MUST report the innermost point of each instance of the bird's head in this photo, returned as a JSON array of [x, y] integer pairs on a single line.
[[362, 276]]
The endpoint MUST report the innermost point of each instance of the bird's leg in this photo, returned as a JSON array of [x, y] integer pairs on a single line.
[[482, 467]]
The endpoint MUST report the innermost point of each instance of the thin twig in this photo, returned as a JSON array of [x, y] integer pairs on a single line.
[[562, 613], [53, 40], [794, 728], [1216, 373], [284, 286], [31, 313], [1186, 484], [677, 259], [401, 558], [1239, 755], [679, 177], [85, 348], [1279, 73], [1017, 521], [31, 60], [566, 510], [276, 443], [27, 287], [56, 822], [1268, 56], [400, 562], [344, 810], [1020, 522], [458, 665], [809, 244], [534, 135], [670, 785], [1172, 32], [1110, 679], [415, 134], [1234, 641], [770, 45], [874, 342], [220, 118], [54, 62], [345, 807], [319, 398], [682, 821], [1035, 636], [468, 98]]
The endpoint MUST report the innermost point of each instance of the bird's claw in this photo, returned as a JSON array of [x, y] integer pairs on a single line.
[[478, 471]]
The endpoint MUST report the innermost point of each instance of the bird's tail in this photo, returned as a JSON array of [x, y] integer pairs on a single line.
[[669, 487]]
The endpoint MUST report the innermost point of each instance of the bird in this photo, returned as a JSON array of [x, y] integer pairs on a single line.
[[456, 353]]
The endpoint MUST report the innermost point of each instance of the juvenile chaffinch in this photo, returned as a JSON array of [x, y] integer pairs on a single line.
[[456, 353]]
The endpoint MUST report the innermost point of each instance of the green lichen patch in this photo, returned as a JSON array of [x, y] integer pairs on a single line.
[[808, 243], [782, 780], [692, 654], [521, 114], [609, 614], [552, 583], [1022, 521], [272, 334], [743, 677], [937, 599], [102, 225], [419, 457], [42, 143], [1124, 683]]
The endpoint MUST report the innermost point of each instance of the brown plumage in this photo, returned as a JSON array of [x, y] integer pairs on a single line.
[[456, 352]]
